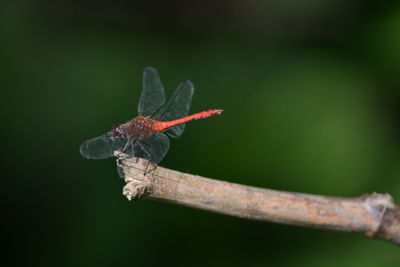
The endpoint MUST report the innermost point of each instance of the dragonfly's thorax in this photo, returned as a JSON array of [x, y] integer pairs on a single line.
[[139, 127]]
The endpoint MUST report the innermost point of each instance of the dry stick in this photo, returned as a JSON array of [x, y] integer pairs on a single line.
[[374, 215]]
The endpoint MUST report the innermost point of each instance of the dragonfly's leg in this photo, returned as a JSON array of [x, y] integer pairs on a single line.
[[147, 171], [133, 151], [131, 143], [145, 151], [126, 145]]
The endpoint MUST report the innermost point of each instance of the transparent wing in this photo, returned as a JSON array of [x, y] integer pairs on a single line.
[[177, 107], [152, 96], [102, 147], [153, 148]]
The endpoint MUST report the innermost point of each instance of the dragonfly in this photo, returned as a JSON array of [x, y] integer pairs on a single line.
[[145, 136]]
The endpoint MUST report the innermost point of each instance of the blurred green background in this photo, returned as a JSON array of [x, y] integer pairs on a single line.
[[311, 96]]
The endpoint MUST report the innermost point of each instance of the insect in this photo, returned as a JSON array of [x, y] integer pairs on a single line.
[[145, 136]]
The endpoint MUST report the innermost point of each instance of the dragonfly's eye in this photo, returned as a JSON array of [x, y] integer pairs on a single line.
[[116, 130]]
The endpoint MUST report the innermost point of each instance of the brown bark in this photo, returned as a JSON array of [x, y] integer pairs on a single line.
[[374, 215]]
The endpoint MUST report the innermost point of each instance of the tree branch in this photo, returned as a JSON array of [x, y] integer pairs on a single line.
[[374, 215]]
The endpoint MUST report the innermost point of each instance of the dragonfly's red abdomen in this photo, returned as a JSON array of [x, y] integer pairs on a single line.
[[160, 126]]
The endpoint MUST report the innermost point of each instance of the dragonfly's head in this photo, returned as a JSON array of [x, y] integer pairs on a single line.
[[117, 130]]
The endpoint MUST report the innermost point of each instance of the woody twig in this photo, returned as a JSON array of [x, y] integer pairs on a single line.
[[373, 215]]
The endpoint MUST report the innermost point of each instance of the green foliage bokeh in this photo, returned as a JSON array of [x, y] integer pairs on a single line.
[[311, 98]]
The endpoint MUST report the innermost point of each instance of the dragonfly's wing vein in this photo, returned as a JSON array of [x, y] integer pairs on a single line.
[[177, 107], [102, 147], [153, 148], [152, 96]]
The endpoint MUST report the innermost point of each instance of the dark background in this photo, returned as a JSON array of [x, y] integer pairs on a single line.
[[311, 96]]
